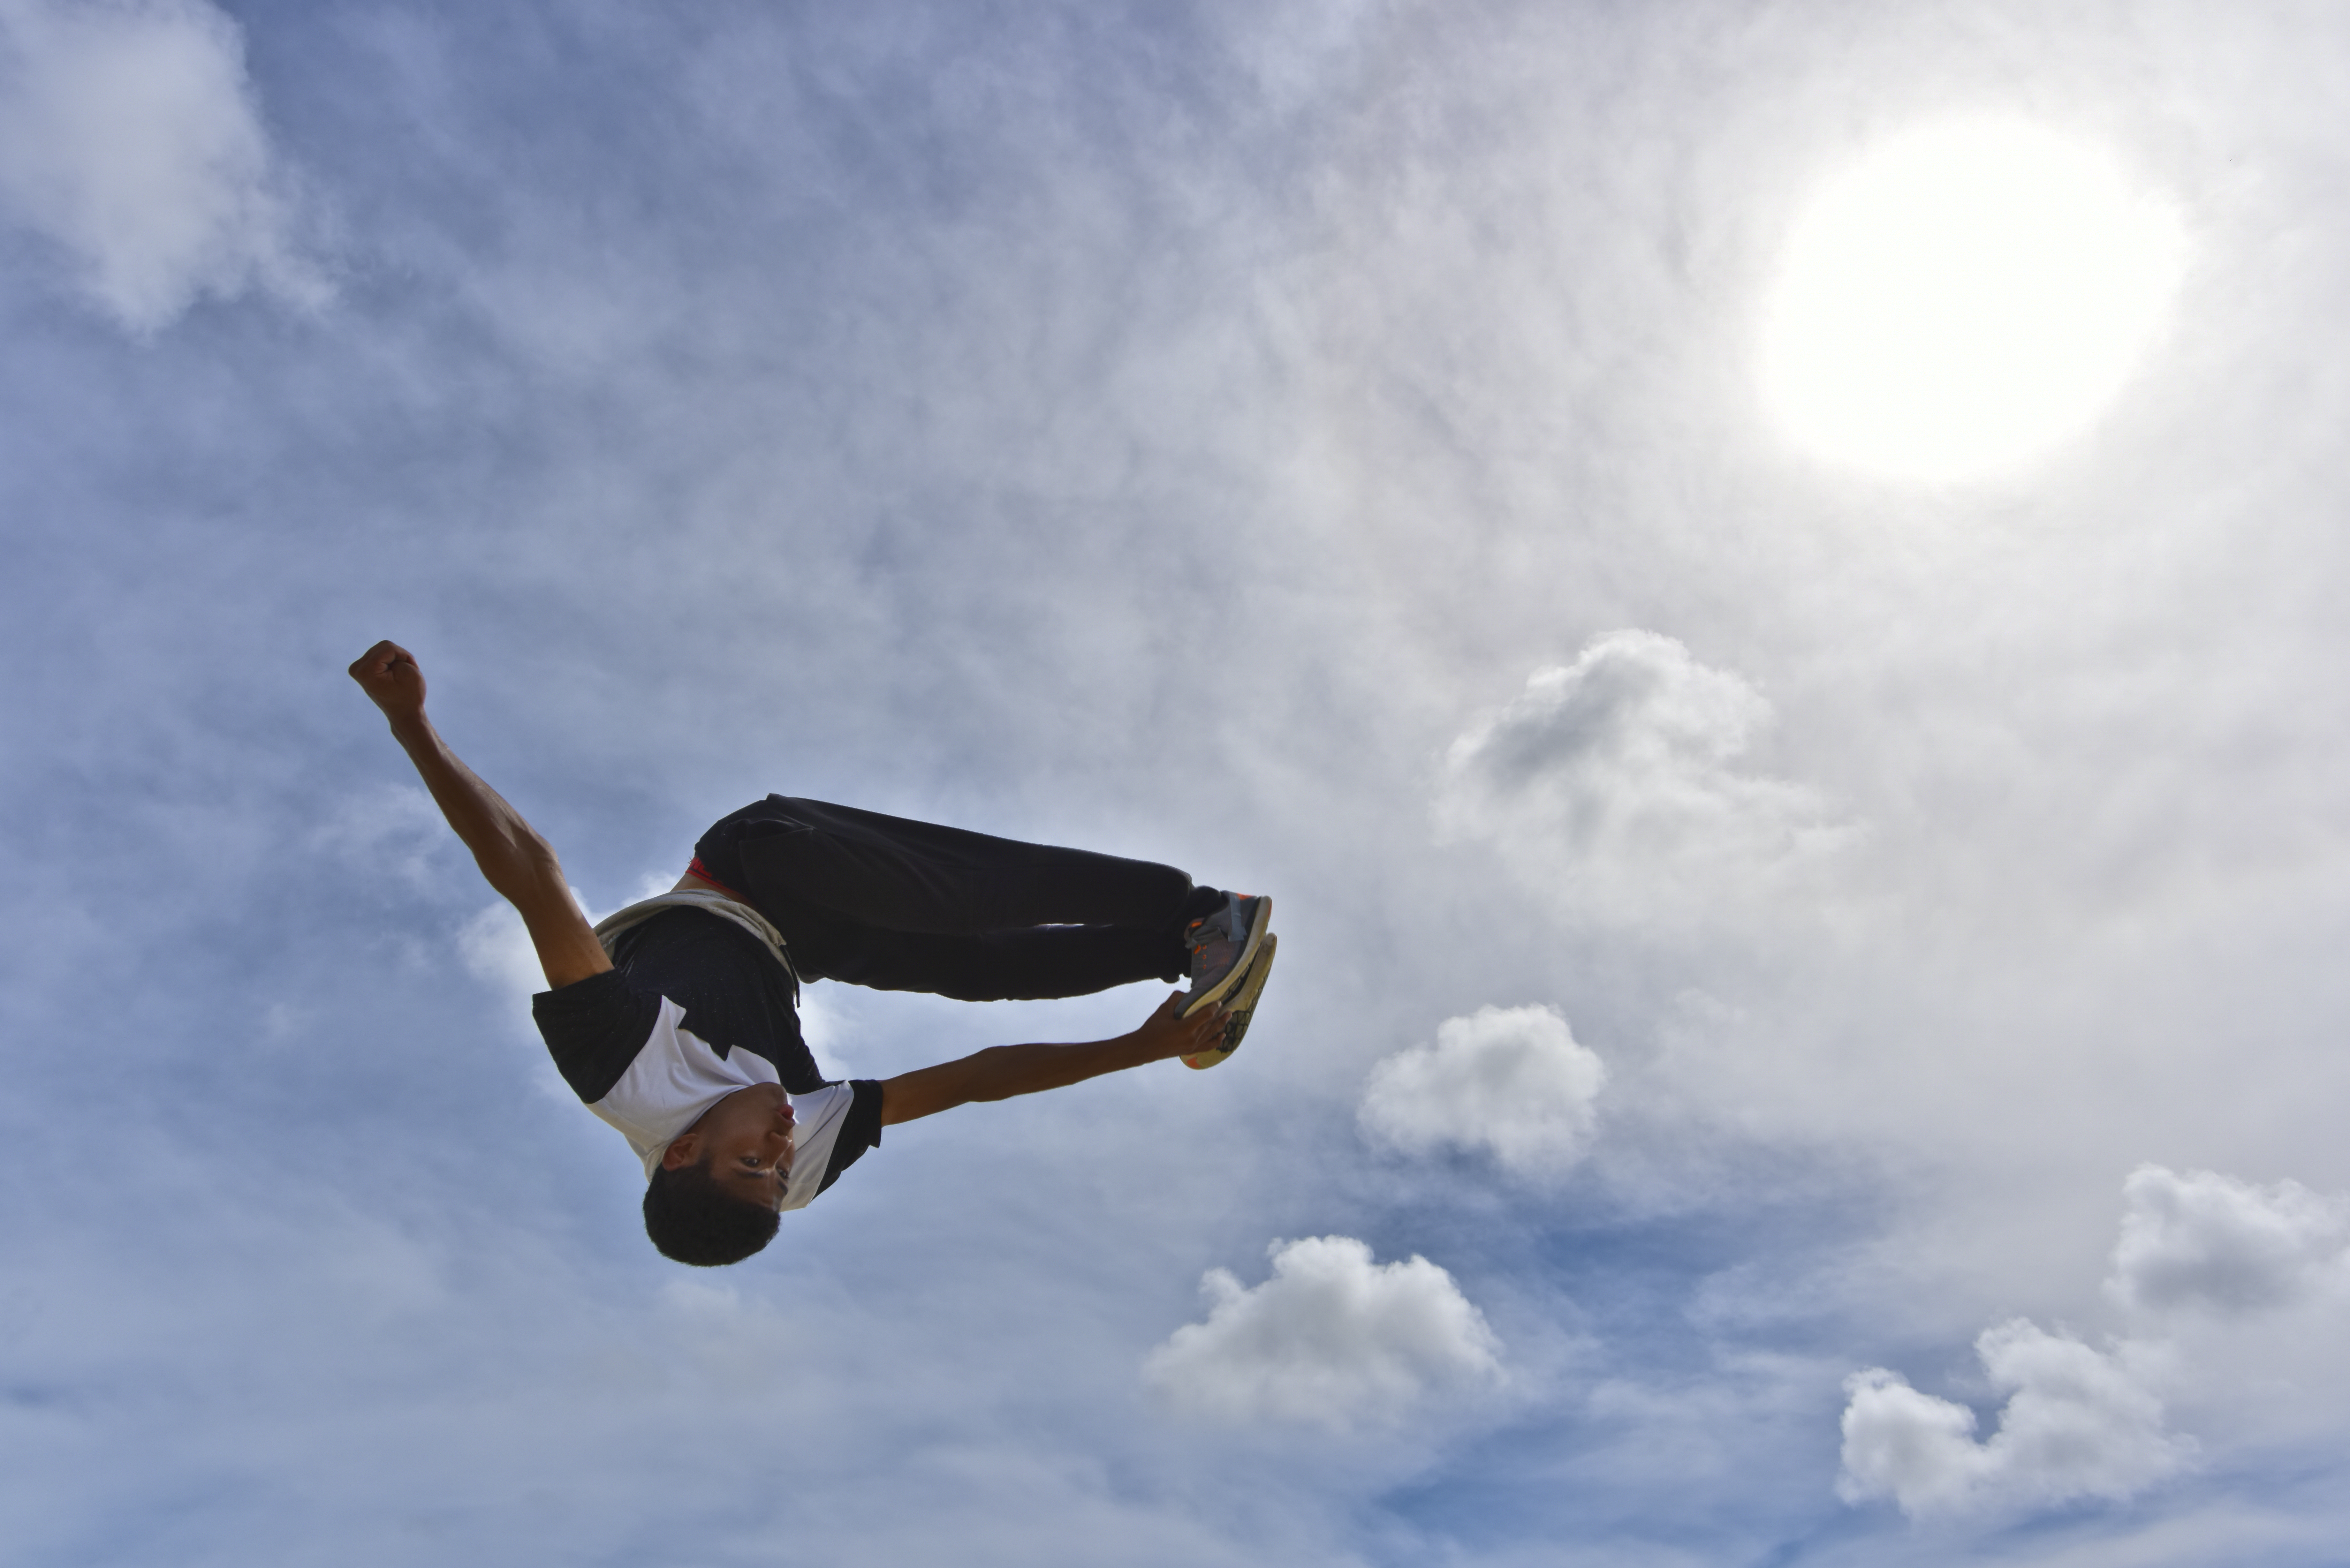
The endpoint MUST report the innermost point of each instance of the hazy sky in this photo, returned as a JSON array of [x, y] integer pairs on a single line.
[[1811, 1025]]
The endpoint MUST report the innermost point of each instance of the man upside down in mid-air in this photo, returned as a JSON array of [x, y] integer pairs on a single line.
[[677, 1019]]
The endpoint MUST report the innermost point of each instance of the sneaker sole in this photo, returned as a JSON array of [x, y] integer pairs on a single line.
[[1242, 1008], [1239, 971]]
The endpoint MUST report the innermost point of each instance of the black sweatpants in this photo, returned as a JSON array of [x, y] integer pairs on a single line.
[[898, 905]]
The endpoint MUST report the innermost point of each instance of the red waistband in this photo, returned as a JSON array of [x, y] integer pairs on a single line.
[[699, 869]]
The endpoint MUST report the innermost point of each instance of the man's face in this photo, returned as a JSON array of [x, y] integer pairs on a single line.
[[746, 1138]]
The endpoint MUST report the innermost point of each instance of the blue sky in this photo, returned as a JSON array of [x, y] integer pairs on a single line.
[[1810, 1020]]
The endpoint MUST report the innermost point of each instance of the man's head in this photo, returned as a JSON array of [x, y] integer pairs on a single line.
[[715, 1197]]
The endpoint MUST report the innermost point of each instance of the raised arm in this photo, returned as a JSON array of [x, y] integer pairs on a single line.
[[1001, 1072], [516, 861]]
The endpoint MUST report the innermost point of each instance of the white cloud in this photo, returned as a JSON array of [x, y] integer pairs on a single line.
[[131, 137], [830, 1022], [2087, 1423], [497, 950], [1512, 1080], [2213, 1242], [1331, 1339], [2079, 1422], [1611, 778]]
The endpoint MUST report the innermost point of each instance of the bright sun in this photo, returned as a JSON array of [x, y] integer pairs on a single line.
[[1965, 297]]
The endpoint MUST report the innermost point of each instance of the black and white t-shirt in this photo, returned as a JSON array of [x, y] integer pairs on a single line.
[[694, 1009]]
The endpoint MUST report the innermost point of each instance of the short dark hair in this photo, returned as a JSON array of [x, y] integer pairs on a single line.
[[692, 1219]]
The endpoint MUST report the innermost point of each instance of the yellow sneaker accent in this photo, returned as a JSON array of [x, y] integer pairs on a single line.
[[1239, 1008]]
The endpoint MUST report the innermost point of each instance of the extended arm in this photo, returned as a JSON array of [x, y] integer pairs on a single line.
[[1001, 1072], [515, 860]]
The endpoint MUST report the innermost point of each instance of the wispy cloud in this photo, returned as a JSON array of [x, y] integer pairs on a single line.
[[132, 139]]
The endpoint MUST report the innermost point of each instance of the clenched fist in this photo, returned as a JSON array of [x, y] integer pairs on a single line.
[[388, 675]]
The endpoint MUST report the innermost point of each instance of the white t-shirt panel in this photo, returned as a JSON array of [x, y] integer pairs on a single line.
[[821, 1116], [677, 1076]]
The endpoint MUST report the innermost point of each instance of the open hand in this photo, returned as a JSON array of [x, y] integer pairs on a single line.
[[387, 673]]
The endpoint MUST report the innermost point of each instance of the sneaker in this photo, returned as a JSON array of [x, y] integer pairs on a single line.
[[1221, 945], [1239, 1007]]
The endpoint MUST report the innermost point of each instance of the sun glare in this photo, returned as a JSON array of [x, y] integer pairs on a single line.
[[1965, 298]]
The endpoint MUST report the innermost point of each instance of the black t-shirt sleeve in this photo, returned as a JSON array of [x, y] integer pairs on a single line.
[[594, 1029], [859, 1130]]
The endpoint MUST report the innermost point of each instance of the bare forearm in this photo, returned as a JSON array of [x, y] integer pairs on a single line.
[[515, 859], [1001, 1072], [510, 852]]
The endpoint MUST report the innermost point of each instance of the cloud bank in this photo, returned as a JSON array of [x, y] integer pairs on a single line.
[[1332, 1339], [1610, 781], [130, 138], [1512, 1081]]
